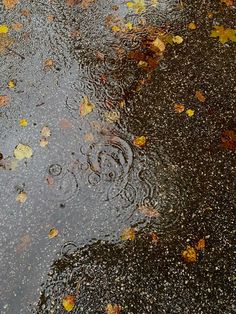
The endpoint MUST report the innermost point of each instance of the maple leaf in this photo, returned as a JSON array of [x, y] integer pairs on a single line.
[[224, 34], [10, 4], [86, 106], [68, 303], [137, 5]]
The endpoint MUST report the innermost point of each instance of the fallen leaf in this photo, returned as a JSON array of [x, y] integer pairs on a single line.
[[228, 139], [10, 4], [200, 96], [178, 39], [229, 3], [154, 3], [154, 237], [122, 104], [16, 26], [50, 18], [88, 137], [128, 234], [72, 3], [100, 55], [189, 254], [128, 26], [116, 28], [148, 210], [43, 142], [68, 303], [86, 3], [190, 112], [49, 64], [192, 26], [53, 233], [140, 141], [159, 44], [137, 5], [3, 29], [5, 42], [23, 122], [201, 244], [113, 308], [45, 131], [11, 84], [21, 197], [224, 34], [24, 243], [23, 151], [86, 107], [25, 12], [179, 108], [4, 100], [112, 116], [65, 124], [50, 180]]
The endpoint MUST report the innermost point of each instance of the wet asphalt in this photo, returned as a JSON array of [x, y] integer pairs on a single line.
[[90, 179]]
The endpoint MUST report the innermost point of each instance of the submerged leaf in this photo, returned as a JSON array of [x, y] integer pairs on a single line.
[[224, 34], [23, 151], [137, 5], [68, 303]]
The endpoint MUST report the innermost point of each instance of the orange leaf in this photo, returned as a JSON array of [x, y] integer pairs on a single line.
[[189, 254], [201, 244], [179, 108], [68, 303], [229, 3], [10, 4], [4, 100], [140, 141], [128, 234], [148, 210], [200, 96], [113, 309]]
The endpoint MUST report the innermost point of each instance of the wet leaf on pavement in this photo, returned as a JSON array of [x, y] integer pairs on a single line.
[[148, 210], [200, 245], [189, 254], [137, 5], [86, 106], [21, 197], [140, 141], [200, 96], [190, 112], [10, 4], [68, 303], [229, 3], [23, 151], [128, 234], [23, 122], [3, 29], [113, 308], [45, 131], [179, 108], [4, 100], [224, 34], [112, 116], [228, 139], [53, 233]]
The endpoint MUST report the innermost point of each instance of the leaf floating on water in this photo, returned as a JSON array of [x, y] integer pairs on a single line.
[[113, 308], [189, 254], [23, 151], [43, 142], [148, 210], [86, 106], [228, 139], [10, 4], [201, 244], [45, 131], [128, 234], [200, 96], [140, 141], [68, 303], [4, 100], [224, 34], [112, 116], [21, 197], [179, 108], [3, 29], [53, 233], [137, 5], [23, 122]]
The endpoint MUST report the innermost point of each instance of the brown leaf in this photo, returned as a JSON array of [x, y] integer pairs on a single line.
[[4, 100], [72, 3], [148, 210], [200, 96], [113, 308], [10, 4], [24, 243], [228, 139], [86, 3], [201, 244], [229, 3], [154, 237], [48, 64], [5, 42], [128, 234]]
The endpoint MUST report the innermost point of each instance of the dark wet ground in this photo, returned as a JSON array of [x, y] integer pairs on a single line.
[[90, 178]]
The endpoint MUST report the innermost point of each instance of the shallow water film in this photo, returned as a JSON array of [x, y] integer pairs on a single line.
[[117, 156]]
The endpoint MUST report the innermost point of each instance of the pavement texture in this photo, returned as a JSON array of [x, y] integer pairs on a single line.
[[117, 156]]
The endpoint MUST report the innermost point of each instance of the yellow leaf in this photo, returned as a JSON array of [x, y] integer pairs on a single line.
[[112, 116], [21, 197], [113, 309], [224, 34], [154, 3], [129, 26], [115, 28], [140, 141], [53, 233], [177, 39], [159, 44], [68, 303], [46, 132], [189, 254], [137, 5], [192, 26], [23, 151], [3, 29], [86, 107], [23, 122], [11, 84], [190, 112], [128, 234], [179, 108], [10, 4], [48, 64]]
